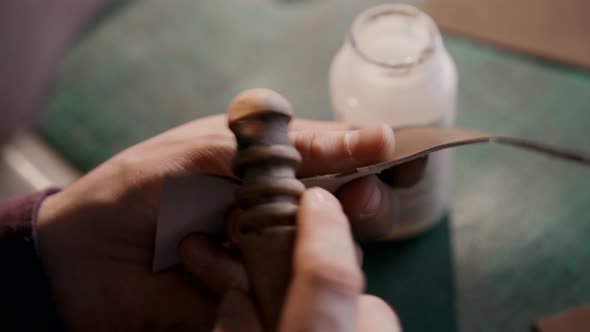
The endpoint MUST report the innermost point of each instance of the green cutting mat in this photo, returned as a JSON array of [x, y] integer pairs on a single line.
[[520, 222]]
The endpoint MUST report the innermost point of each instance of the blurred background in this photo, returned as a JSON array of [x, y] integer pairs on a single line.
[[515, 244]]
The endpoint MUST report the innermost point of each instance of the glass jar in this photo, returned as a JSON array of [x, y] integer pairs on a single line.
[[393, 68]]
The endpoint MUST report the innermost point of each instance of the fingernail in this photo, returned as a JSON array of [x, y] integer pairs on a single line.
[[321, 198], [374, 200], [193, 250], [371, 144], [382, 137]]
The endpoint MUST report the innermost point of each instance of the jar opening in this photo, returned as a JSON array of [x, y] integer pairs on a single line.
[[395, 36]]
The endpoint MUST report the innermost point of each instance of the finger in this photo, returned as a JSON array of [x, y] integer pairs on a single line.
[[307, 124], [376, 316], [327, 279], [211, 265], [405, 175], [372, 207], [325, 152], [237, 314]]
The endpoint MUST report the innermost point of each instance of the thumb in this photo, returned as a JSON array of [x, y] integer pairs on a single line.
[[237, 314], [325, 152]]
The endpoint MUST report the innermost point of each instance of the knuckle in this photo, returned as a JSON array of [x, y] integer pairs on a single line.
[[309, 144], [314, 148], [219, 136], [347, 146], [300, 141], [124, 165]]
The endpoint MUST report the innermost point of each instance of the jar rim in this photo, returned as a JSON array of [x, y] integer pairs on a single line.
[[374, 13]]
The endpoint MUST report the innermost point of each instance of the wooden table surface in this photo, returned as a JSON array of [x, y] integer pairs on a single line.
[[515, 246]]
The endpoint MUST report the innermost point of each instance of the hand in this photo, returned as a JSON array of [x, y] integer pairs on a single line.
[[96, 237], [325, 292]]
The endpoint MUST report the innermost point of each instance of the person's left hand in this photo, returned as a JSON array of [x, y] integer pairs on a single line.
[[96, 237]]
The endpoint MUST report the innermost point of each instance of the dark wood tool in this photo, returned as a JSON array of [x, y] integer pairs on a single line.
[[266, 162]]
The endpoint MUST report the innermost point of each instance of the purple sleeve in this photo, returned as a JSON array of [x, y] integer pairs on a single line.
[[25, 300]]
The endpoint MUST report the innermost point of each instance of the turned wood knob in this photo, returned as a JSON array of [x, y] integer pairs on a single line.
[[269, 195], [265, 161]]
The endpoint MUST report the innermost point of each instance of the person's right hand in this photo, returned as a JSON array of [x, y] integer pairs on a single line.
[[326, 290]]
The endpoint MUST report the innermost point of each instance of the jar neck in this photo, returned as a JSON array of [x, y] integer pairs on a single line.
[[396, 38]]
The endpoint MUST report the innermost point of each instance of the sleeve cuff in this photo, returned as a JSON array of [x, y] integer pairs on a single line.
[[35, 214], [26, 302]]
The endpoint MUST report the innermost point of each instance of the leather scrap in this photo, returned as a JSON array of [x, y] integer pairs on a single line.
[[197, 203]]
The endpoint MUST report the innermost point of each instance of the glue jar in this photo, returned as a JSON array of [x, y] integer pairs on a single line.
[[393, 68]]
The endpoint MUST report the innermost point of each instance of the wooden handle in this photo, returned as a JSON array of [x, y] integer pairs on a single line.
[[266, 162]]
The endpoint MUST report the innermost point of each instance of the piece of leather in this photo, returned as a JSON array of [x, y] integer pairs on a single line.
[[199, 203]]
